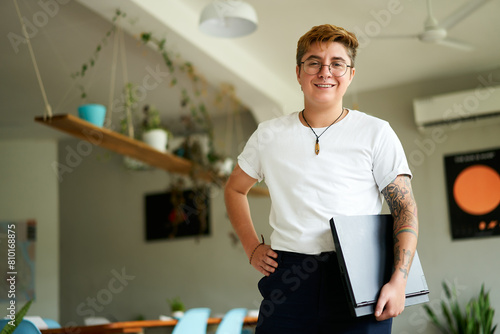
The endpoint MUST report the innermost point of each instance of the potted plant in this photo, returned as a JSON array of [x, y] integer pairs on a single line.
[[177, 307], [93, 112], [128, 109], [153, 133], [477, 318]]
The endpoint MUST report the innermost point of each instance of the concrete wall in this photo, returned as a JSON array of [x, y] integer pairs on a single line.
[[30, 190], [107, 267], [467, 263]]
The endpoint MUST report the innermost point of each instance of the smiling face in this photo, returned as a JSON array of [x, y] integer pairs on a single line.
[[323, 89]]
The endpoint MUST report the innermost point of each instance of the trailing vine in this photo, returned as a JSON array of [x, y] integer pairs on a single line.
[[189, 98], [95, 55]]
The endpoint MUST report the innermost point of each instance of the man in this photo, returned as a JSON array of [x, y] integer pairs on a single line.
[[323, 161]]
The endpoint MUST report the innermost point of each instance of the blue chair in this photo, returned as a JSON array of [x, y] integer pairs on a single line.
[[194, 321], [51, 323], [232, 323], [25, 327]]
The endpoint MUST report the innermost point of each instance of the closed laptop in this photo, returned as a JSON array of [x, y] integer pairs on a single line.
[[365, 250]]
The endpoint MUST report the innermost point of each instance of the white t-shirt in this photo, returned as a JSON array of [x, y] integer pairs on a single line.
[[359, 156]]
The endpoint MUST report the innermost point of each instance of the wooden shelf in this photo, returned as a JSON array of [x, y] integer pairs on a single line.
[[124, 145], [121, 144]]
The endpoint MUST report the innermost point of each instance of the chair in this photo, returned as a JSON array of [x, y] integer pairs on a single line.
[[51, 323], [25, 327], [232, 323], [194, 321], [42, 323]]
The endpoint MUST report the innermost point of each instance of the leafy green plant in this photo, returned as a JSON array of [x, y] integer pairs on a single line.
[[476, 318], [95, 55], [176, 305], [129, 104], [189, 98], [139, 317], [151, 118], [8, 328]]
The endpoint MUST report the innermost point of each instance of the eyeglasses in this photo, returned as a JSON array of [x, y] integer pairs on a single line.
[[313, 66]]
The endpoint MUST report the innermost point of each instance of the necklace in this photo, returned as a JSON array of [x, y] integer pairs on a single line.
[[316, 147]]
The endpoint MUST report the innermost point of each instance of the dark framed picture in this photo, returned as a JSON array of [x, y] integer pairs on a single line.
[[473, 188], [177, 214]]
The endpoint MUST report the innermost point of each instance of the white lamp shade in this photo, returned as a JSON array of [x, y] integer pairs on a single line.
[[233, 18]]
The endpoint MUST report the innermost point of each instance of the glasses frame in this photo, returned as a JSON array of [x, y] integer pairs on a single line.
[[329, 68]]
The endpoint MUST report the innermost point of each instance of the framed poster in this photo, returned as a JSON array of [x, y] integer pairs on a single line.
[[17, 263], [473, 188], [177, 214]]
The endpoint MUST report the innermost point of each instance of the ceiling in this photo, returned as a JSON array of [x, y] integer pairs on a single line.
[[261, 66]]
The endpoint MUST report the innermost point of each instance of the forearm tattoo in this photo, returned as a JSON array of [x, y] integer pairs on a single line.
[[399, 197]]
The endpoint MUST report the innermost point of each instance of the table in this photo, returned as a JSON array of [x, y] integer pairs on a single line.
[[131, 326]]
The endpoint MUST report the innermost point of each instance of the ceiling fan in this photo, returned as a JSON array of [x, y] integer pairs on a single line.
[[437, 32]]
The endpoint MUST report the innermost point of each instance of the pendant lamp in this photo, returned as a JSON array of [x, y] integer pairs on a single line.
[[228, 18]]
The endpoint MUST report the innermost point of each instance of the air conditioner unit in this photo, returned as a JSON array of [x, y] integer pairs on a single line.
[[453, 111]]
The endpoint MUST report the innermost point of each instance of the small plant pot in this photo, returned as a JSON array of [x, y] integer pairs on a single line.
[[92, 113], [156, 138], [177, 314], [224, 167]]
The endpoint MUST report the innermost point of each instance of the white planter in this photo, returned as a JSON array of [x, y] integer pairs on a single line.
[[177, 314], [156, 138], [224, 168]]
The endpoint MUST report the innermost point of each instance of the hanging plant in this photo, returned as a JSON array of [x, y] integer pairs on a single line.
[[151, 119], [189, 98], [129, 108], [153, 132], [79, 74], [95, 55]]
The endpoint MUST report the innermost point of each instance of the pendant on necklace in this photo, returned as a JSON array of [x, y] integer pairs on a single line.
[[316, 147]]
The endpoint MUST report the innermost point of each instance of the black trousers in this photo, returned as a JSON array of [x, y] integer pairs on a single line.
[[305, 295]]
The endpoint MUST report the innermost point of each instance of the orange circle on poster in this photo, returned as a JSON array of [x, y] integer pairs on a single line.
[[477, 189]]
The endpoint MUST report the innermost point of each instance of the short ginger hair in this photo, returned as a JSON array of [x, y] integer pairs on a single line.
[[327, 33]]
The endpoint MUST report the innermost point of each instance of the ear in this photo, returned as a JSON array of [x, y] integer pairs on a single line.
[[353, 70], [297, 72], [351, 75]]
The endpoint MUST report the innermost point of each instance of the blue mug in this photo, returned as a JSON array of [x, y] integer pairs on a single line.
[[93, 113]]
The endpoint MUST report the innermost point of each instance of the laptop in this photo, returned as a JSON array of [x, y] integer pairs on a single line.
[[365, 252]]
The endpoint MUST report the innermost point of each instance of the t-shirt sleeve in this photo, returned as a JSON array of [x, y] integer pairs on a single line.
[[250, 159], [389, 159]]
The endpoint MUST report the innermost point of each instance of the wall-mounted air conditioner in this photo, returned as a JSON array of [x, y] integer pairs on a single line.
[[453, 111]]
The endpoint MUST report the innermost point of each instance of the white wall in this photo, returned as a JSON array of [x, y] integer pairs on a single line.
[[468, 263], [29, 190]]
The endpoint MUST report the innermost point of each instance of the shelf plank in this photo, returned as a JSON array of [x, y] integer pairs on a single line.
[[136, 149], [259, 191], [121, 144]]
